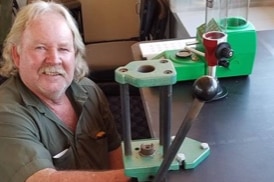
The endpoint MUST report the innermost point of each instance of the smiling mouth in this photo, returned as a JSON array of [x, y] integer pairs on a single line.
[[52, 71]]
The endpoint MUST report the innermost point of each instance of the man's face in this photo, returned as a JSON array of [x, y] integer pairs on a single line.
[[45, 57]]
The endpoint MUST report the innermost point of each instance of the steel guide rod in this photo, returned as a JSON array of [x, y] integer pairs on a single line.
[[126, 122], [165, 116]]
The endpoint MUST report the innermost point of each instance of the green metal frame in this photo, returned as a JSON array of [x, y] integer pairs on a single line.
[[153, 73], [145, 167]]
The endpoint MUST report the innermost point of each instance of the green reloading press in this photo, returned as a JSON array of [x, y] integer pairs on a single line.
[[150, 159], [242, 37]]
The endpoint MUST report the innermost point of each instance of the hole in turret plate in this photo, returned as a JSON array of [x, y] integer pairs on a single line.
[[236, 22], [168, 72], [146, 68], [233, 23], [163, 61], [123, 70]]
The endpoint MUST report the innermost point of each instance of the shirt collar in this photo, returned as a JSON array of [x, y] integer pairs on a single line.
[[79, 94]]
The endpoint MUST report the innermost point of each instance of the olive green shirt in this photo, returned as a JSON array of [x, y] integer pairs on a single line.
[[32, 137]]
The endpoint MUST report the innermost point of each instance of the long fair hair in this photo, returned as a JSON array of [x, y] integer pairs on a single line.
[[24, 16]]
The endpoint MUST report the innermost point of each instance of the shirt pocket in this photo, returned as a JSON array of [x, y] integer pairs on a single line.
[[93, 150]]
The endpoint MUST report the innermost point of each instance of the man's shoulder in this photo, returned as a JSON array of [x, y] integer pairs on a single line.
[[86, 82], [86, 85], [9, 92]]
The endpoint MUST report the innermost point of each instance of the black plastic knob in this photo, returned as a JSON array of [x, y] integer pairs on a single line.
[[224, 51], [224, 62], [205, 88]]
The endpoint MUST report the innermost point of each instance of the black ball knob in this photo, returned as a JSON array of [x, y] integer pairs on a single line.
[[205, 88]]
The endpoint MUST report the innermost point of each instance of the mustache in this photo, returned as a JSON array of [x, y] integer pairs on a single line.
[[52, 70]]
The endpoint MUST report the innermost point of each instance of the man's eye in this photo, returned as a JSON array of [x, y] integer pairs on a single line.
[[40, 48], [64, 49]]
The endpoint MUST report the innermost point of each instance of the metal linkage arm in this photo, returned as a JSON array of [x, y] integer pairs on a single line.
[[205, 88]]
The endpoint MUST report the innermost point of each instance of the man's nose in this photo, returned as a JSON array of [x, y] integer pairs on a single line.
[[53, 56]]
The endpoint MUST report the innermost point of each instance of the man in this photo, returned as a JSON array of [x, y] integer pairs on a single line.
[[55, 124]]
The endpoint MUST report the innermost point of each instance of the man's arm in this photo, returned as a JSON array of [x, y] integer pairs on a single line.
[[52, 175], [117, 174], [116, 159]]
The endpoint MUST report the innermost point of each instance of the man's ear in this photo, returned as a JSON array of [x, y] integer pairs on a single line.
[[15, 55]]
